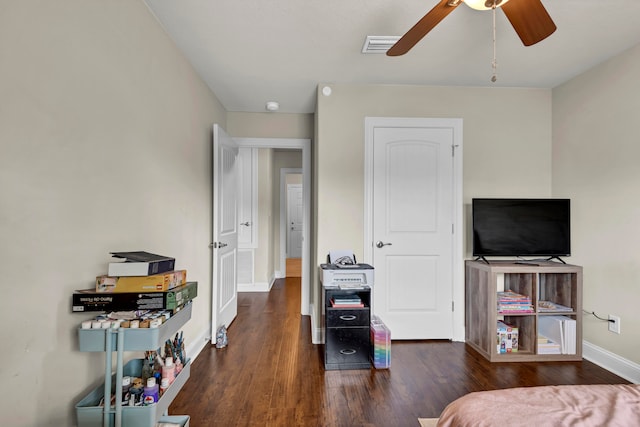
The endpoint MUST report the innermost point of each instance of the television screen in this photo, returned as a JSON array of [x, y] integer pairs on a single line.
[[521, 227]]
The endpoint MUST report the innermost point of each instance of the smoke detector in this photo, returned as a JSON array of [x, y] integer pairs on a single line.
[[272, 106]]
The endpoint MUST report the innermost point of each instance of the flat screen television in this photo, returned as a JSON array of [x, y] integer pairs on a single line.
[[521, 227]]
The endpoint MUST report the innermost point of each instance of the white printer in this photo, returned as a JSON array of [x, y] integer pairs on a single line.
[[346, 276]]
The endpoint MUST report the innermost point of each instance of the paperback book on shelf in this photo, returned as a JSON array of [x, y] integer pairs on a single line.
[[560, 329], [347, 301], [550, 306], [512, 302], [548, 346]]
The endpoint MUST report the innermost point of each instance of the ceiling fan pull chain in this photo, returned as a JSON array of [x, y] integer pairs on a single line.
[[494, 63]]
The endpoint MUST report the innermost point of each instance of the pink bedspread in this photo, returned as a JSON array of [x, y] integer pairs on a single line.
[[565, 405]]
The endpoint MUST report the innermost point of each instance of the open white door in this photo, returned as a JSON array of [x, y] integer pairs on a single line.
[[224, 286]]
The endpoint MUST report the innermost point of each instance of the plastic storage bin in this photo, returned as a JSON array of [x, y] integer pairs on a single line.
[[182, 420], [380, 344], [91, 415], [135, 339]]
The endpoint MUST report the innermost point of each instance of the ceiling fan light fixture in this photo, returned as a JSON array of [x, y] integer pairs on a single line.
[[484, 4]]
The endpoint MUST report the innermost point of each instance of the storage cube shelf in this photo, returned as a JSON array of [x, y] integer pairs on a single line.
[[545, 283]]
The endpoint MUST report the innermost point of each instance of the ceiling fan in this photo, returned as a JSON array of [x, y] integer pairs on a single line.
[[528, 17]]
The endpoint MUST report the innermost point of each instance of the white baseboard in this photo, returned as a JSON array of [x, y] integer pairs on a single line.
[[196, 346], [317, 331], [620, 366], [254, 287]]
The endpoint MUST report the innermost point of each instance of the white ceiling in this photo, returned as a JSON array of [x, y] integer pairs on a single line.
[[253, 51]]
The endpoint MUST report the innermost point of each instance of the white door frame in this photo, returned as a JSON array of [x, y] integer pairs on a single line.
[[305, 146], [370, 123]]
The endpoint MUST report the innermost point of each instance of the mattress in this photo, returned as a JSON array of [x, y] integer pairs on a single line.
[[564, 405]]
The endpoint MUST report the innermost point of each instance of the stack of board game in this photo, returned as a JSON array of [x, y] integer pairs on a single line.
[[139, 281], [507, 338]]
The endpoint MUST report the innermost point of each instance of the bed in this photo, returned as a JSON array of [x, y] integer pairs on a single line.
[[563, 405]]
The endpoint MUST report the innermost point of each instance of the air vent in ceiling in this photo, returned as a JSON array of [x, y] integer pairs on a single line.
[[379, 44]]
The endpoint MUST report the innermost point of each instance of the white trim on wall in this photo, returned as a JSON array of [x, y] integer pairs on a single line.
[[458, 226], [620, 366], [305, 146]]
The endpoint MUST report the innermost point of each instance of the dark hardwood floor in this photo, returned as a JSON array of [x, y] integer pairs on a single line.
[[271, 375]]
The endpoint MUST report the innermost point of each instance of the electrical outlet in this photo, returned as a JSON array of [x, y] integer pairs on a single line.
[[614, 324]]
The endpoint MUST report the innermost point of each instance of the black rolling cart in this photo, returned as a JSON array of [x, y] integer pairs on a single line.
[[346, 316]]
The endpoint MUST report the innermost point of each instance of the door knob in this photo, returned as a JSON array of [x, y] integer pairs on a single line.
[[246, 224], [219, 245], [380, 244]]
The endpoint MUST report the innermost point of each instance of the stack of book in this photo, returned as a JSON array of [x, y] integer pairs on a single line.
[[346, 301], [141, 272], [550, 307], [139, 281], [507, 338], [559, 329], [510, 302]]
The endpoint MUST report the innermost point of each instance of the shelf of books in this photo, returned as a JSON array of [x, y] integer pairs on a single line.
[[522, 312]]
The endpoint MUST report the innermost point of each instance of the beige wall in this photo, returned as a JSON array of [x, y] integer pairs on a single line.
[[595, 163], [105, 132], [269, 125], [507, 148], [507, 145], [263, 270], [293, 179]]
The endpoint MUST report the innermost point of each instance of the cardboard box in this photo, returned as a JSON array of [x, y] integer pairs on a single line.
[[90, 300], [507, 338], [155, 283]]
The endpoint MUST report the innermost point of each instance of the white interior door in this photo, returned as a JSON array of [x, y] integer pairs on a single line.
[[224, 287], [247, 197], [413, 217], [295, 214]]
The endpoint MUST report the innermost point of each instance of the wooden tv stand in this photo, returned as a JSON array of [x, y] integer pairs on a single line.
[[548, 281]]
